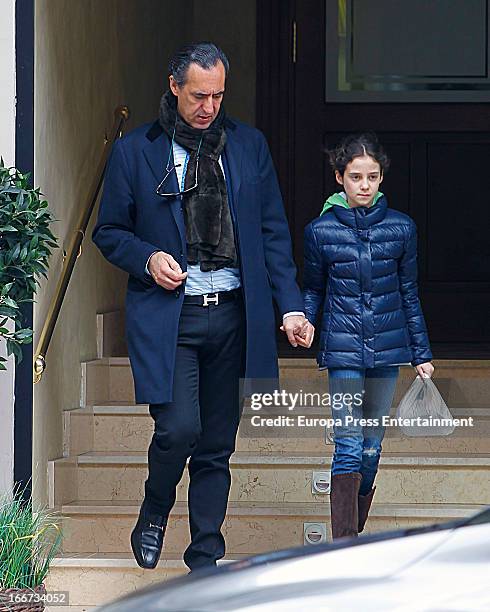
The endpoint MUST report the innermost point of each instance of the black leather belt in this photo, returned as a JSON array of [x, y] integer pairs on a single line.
[[213, 298]]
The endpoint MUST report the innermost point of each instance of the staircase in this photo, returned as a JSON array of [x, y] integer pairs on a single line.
[[279, 493]]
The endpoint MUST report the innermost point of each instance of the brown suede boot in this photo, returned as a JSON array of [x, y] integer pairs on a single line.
[[344, 504], [364, 506]]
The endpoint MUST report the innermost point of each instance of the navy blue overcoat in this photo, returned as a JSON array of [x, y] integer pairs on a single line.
[[134, 221]]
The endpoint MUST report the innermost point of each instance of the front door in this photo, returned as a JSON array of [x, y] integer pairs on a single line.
[[417, 74]]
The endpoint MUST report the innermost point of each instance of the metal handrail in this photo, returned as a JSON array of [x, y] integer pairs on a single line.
[[121, 115]]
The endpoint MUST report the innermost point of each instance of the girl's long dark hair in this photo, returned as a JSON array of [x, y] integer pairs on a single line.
[[358, 145]]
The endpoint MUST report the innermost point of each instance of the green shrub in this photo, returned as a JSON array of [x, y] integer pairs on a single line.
[[28, 542], [25, 247]]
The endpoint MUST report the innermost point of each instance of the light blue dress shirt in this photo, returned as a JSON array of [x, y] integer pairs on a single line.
[[199, 282]]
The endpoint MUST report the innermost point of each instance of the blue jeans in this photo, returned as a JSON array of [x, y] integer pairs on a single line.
[[358, 447]]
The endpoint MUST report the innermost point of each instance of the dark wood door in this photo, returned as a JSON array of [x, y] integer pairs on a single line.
[[434, 122]]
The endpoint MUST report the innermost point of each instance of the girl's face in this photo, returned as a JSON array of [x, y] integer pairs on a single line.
[[361, 180]]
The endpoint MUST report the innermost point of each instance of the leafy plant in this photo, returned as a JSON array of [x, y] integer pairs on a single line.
[[25, 247], [28, 542]]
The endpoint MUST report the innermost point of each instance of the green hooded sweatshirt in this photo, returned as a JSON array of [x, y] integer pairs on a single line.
[[340, 199]]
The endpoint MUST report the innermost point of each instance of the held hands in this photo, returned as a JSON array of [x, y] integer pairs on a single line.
[[165, 271], [298, 330], [426, 369]]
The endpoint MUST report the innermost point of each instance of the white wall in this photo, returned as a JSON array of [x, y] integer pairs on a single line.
[[7, 151], [7, 82]]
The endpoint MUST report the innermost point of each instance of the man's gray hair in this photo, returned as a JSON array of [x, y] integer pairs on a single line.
[[204, 54]]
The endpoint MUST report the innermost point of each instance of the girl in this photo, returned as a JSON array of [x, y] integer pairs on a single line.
[[361, 262]]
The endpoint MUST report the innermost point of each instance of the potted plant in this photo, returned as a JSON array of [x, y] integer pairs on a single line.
[[28, 539], [28, 542], [25, 243]]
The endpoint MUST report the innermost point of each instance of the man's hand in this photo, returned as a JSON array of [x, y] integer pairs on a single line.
[[165, 271], [305, 337], [425, 368], [298, 330]]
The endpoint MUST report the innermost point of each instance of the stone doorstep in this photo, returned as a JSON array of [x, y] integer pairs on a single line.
[[96, 579], [291, 509], [87, 576], [92, 429], [123, 560], [143, 410], [244, 459], [140, 411], [65, 474], [110, 336], [435, 479], [138, 424], [290, 362], [250, 529], [102, 378]]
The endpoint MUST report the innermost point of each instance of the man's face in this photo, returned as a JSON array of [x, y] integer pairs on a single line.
[[200, 98], [361, 180]]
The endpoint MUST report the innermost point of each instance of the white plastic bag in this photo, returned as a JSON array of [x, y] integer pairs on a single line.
[[422, 404]]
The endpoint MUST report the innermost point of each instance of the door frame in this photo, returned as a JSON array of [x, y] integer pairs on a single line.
[[24, 161], [275, 81], [275, 112]]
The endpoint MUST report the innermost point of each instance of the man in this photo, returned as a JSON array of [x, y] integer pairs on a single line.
[[191, 209]]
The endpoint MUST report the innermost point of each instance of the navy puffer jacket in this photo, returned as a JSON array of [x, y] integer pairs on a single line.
[[362, 264]]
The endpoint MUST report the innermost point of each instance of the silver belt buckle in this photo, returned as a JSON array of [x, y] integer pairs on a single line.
[[207, 299]]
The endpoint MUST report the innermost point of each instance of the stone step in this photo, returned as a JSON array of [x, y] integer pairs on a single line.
[[100, 526], [129, 428], [431, 478], [111, 336], [96, 579], [463, 383]]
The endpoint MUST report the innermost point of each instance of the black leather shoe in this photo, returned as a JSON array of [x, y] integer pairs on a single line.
[[147, 539]]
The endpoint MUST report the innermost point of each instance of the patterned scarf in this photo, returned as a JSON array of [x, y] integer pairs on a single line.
[[209, 228]]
